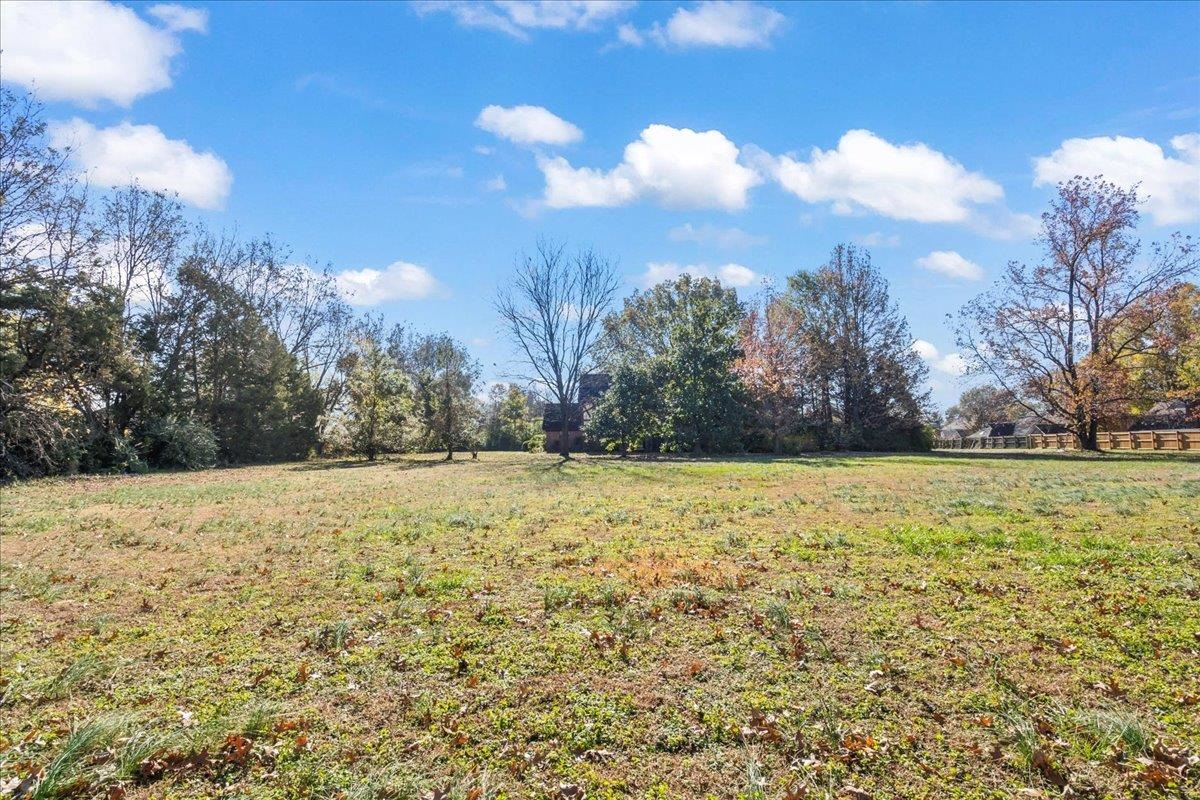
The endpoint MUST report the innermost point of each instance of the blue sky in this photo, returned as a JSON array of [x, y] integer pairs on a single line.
[[758, 135]]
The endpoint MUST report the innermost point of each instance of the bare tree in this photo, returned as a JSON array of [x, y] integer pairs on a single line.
[[553, 308], [1062, 335], [143, 232]]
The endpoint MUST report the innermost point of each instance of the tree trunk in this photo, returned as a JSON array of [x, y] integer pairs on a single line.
[[1089, 440], [564, 444]]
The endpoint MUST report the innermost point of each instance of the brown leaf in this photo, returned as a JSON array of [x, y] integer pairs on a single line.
[[1041, 762]]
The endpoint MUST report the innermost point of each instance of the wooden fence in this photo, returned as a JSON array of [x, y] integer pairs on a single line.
[[1116, 440]]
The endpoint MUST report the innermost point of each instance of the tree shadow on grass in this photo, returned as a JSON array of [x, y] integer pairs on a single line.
[[392, 462], [328, 464]]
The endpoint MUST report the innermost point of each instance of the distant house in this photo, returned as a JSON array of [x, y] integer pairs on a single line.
[[1027, 424], [553, 428], [592, 387], [954, 429], [1168, 415]]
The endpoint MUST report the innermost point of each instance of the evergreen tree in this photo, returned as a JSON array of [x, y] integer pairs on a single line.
[[628, 412], [377, 393]]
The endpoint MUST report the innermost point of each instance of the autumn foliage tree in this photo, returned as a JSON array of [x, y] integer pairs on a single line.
[[1063, 334], [772, 366], [864, 379]]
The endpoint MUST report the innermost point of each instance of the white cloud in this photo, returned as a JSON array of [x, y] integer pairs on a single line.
[[924, 349], [950, 364], [1170, 185], [735, 275], [517, 17], [878, 239], [496, 184], [714, 235], [627, 34], [483, 150], [527, 125], [180, 18], [400, 280], [951, 264], [720, 23], [88, 51], [675, 167], [906, 181], [124, 153]]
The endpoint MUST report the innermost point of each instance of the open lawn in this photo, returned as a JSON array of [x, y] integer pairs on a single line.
[[835, 626]]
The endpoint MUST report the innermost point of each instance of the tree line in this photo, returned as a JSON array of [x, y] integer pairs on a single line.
[[131, 339], [826, 363], [1096, 331]]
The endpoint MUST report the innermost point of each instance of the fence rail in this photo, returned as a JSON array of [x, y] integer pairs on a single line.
[[1114, 440]]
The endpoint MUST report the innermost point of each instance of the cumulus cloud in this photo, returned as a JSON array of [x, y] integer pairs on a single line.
[[123, 153], [950, 364], [951, 264], [866, 172], [89, 51], [735, 275], [496, 184], [720, 23], [400, 280], [674, 167], [517, 17], [527, 125], [714, 235], [924, 349], [1169, 184], [180, 18]]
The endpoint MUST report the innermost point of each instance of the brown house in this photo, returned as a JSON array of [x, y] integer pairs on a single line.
[[553, 428], [592, 387]]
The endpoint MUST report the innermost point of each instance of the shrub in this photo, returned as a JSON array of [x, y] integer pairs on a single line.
[[536, 443], [178, 444], [109, 453]]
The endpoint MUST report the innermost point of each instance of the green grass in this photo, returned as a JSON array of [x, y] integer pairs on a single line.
[[931, 626]]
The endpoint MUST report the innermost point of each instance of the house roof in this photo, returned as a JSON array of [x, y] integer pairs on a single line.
[[552, 417], [595, 380], [1026, 425], [592, 386]]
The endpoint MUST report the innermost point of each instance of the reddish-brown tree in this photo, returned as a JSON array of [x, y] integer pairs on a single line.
[[772, 366], [1062, 335]]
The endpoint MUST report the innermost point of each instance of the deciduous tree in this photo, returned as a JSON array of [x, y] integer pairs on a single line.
[[980, 405], [865, 380], [1063, 334], [553, 307], [772, 366]]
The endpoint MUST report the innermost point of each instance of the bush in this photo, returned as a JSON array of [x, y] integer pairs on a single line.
[[536, 443], [110, 453], [178, 444], [798, 443]]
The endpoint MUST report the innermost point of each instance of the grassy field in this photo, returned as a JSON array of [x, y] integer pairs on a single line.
[[839, 626]]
